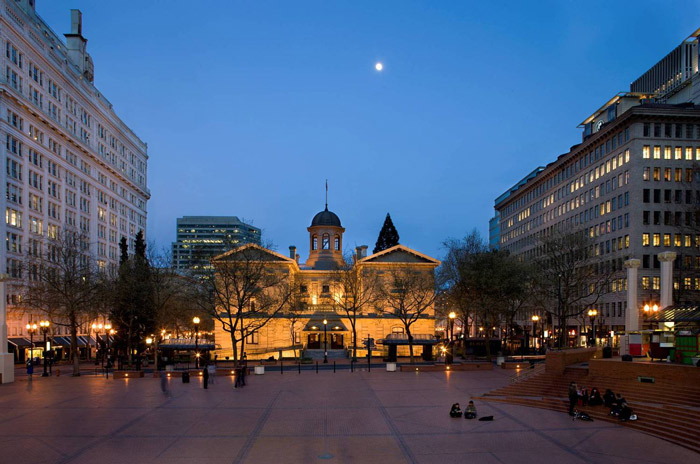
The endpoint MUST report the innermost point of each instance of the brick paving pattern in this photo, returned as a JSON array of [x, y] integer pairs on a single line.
[[362, 417]]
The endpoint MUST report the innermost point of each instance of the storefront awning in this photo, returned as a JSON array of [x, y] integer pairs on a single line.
[[19, 341], [332, 325], [677, 313]]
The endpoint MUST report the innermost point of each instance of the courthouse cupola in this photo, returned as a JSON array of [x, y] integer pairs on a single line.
[[325, 241]]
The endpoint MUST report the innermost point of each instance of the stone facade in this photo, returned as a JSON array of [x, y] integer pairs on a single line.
[[316, 280]]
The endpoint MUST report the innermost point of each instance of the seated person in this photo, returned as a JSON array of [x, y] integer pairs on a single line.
[[624, 411], [594, 399], [455, 411], [470, 412], [583, 396], [618, 405], [608, 398]]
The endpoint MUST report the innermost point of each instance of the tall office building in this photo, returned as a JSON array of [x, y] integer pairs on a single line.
[[71, 163], [630, 185], [200, 238]]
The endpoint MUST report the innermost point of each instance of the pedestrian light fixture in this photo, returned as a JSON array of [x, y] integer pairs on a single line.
[[45, 329], [651, 308], [195, 321], [325, 341], [31, 329]]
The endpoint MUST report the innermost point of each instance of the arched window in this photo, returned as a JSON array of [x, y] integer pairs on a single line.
[[314, 243], [337, 243], [326, 242]]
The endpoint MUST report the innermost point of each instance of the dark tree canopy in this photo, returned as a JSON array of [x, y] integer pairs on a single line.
[[140, 245], [123, 251], [388, 236]]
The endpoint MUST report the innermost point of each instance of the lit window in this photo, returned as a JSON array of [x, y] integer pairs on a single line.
[[657, 152], [656, 239], [645, 152], [645, 239]]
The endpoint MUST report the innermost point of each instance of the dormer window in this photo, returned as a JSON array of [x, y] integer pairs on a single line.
[[326, 243]]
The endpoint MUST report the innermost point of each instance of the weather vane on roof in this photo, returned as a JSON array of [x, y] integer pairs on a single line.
[[326, 193]]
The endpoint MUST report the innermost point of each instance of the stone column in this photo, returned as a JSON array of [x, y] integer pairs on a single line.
[[7, 361], [632, 313], [666, 259]]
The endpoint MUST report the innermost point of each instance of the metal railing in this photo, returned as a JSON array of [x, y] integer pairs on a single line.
[[526, 374]]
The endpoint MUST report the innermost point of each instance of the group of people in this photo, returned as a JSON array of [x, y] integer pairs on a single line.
[[469, 413], [615, 402], [209, 375]]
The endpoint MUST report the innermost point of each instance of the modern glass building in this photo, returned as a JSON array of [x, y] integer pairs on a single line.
[[200, 238]]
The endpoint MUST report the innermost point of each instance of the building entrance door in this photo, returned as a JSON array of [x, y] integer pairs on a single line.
[[336, 342], [314, 342]]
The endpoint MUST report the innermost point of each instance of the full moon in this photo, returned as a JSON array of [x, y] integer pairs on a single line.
[[378, 66]]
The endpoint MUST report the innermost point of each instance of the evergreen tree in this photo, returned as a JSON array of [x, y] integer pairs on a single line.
[[123, 250], [388, 236]]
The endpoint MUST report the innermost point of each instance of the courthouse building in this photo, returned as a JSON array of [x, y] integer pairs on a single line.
[[70, 161], [314, 281], [631, 185]]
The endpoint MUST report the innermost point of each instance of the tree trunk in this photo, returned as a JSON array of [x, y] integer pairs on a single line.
[[233, 346], [74, 347], [354, 340], [410, 344]]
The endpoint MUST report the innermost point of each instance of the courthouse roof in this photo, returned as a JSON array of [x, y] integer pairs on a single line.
[[326, 218]]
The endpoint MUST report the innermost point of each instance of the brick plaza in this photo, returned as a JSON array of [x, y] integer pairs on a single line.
[[375, 417]]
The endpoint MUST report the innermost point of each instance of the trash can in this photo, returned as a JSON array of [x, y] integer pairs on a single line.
[[607, 352], [185, 377], [391, 367], [259, 370]]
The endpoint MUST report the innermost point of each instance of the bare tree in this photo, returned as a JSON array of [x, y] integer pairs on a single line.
[[571, 276], [355, 289], [64, 282], [250, 287], [408, 295]]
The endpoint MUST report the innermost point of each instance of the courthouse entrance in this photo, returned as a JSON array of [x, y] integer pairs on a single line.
[[333, 329]]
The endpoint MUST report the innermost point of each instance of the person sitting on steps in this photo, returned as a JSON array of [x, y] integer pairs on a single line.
[[455, 411]]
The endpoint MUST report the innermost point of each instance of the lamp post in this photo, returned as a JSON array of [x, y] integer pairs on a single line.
[[592, 313], [449, 357], [195, 320], [108, 332], [31, 328], [149, 342], [325, 341], [45, 328], [97, 328], [535, 318]]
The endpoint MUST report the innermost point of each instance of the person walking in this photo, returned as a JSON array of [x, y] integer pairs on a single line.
[[237, 372], [30, 369], [573, 397], [205, 377], [164, 383]]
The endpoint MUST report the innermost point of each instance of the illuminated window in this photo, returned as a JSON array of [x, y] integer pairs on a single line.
[[677, 240], [645, 151], [667, 240], [337, 243], [678, 153], [657, 152], [667, 174], [667, 152], [314, 243], [655, 283], [645, 283], [657, 173], [657, 238], [645, 239], [326, 242], [688, 153]]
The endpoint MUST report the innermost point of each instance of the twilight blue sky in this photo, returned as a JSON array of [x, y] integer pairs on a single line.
[[247, 107]]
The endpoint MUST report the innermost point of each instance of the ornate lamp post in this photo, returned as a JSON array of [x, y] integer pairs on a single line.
[[592, 313], [449, 357], [195, 321], [97, 328], [45, 328], [325, 341], [31, 328], [535, 318]]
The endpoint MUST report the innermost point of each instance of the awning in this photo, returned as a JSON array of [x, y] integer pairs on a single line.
[[60, 341], [332, 325], [17, 341], [677, 313]]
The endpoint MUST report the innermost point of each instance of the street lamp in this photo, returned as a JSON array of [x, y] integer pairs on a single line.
[[45, 328], [534, 318], [195, 320], [325, 342], [449, 357], [31, 328], [97, 328], [592, 313]]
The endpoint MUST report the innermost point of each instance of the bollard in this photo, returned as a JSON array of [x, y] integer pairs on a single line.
[[334, 367], [300, 367], [317, 367], [352, 368], [369, 364], [281, 367]]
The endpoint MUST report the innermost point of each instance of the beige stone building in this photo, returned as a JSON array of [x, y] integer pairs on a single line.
[[315, 286]]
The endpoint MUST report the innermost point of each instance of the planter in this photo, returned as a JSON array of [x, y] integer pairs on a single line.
[[391, 367], [259, 370], [500, 360]]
